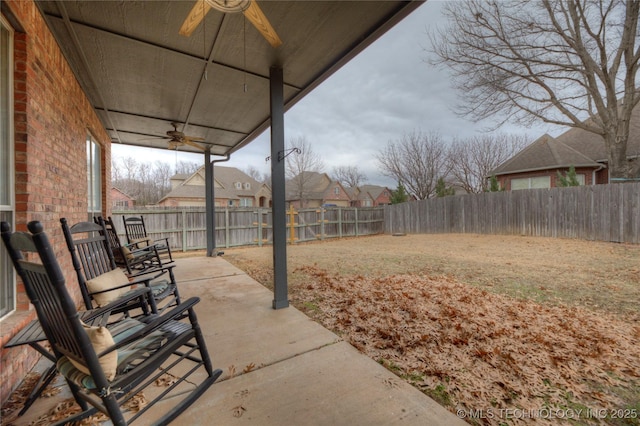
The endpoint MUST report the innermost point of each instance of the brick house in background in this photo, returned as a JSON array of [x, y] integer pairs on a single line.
[[55, 162], [313, 189], [232, 188], [537, 165], [120, 200], [369, 196]]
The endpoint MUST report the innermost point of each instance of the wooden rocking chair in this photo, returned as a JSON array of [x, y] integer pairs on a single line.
[[106, 367], [136, 233], [96, 269]]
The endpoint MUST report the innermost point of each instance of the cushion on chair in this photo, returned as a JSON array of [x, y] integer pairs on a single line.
[[101, 339], [127, 253], [106, 281], [128, 356]]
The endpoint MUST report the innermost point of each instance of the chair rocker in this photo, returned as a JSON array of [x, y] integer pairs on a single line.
[[136, 233], [100, 279], [106, 367]]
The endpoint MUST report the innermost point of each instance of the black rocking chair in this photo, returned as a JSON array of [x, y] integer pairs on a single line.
[[136, 233], [130, 256], [93, 262], [107, 367]]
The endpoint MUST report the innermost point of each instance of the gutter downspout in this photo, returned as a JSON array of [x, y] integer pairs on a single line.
[[593, 174], [210, 201]]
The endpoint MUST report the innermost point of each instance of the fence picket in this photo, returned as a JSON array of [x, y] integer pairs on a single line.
[[186, 227], [600, 212]]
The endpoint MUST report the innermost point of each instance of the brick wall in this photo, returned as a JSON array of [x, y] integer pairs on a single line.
[[52, 119], [120, 199]]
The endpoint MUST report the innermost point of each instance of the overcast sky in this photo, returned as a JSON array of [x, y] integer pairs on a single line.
[[386, 91]]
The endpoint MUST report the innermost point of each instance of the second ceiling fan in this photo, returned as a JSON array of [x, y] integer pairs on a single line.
[[249, 8]]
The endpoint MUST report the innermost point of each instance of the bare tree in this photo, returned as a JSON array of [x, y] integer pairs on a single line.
[[471, 160], [302, 163], [255, 174], [416, 161], [349, 176], [146, 183], [568, 62], [161, 178], [186, 167]]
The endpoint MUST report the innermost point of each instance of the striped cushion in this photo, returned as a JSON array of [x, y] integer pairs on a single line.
[[128, 356]]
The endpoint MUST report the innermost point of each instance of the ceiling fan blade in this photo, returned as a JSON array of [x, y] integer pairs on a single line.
[[197, 14], [188, 141], [172, 145], [255, 15], [154, 138]]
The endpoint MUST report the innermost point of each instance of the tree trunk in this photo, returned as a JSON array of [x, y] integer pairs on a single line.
[[619, 167]]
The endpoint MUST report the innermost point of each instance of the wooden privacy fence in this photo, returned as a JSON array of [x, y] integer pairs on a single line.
[[186, 227], [598, 212]]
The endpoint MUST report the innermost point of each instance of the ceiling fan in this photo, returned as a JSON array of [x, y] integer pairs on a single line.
[[178, 138], [249, 8]]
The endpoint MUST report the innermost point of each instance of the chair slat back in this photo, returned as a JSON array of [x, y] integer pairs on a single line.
[[46, 288], [114, 241], [91, 254], [134, 228]]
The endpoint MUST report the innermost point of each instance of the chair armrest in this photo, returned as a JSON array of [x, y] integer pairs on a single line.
[[105, 311], [156, 323], [135, 249], [145, 277]]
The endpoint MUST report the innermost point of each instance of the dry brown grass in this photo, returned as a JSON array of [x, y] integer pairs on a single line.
[[477, 321]]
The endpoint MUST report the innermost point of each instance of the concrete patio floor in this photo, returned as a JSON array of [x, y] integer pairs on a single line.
[[300, 372]]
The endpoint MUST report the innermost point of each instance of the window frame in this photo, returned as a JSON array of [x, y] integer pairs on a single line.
[[94, 177], [8, 304]]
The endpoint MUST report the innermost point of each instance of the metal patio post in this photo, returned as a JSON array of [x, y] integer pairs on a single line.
[[278, 212]]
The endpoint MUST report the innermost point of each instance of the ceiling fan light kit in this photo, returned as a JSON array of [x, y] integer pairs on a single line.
[[231, 6], [249, 8]]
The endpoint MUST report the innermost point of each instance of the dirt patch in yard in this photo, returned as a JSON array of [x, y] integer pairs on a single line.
[[496, 328]]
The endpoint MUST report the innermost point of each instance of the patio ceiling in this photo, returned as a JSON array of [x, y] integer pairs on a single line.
[[140, 75]]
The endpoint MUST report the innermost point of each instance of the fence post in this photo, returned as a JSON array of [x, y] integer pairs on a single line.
[[184, 230], [259, 227], [355, 212], [226, 227]]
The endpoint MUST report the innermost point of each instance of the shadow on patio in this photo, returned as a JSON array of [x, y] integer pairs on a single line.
[[280, 367]]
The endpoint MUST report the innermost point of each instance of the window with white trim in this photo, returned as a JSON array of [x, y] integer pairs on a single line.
[[246, 202], [94, 178], [531, 183], [7, 274]]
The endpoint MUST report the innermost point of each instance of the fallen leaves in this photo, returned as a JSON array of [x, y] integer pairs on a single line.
[[479, 349]]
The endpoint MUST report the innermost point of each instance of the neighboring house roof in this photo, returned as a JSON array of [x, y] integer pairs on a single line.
[[545, 153], [180, 176], [225, 179], [576, 147], [314, 184], [374, 190], [113, 188]]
